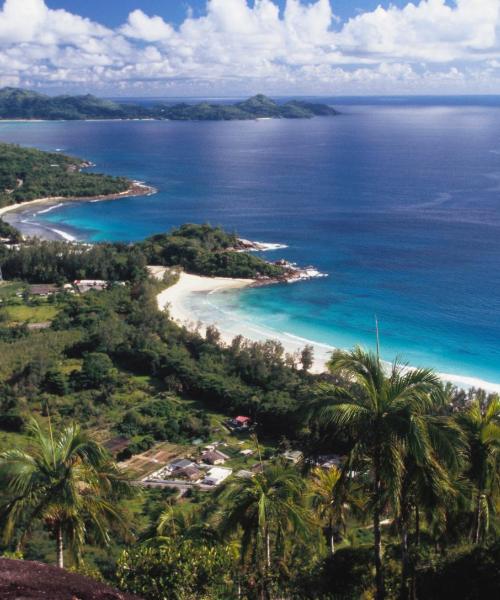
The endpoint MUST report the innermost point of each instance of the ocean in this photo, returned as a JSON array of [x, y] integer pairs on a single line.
[[396, 200]]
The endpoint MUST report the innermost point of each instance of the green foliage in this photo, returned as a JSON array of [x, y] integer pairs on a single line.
[[48, 262], [178, 569], [469, 574], [66, 481], [27, 174], [162, 419], [345, 575], [481, 424], [268, 508], [55, 382], [206, 250], [199, 249], [97, 370]]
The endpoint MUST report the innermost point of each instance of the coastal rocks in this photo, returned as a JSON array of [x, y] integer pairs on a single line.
[[249, 246], [295, 273], [292, 272]]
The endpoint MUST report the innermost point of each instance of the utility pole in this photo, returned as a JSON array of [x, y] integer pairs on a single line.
[[378, 338]]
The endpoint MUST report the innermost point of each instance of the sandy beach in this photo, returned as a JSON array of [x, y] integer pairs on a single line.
[[178, 299], [28, 227], [175, 297]]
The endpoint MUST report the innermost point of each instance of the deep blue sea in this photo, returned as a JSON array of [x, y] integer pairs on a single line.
[[397, 200]]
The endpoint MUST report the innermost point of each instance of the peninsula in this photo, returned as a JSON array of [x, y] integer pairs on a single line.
[[31, 176], [22, 104]]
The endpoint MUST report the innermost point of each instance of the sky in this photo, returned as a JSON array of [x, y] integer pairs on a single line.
[[239, 47]]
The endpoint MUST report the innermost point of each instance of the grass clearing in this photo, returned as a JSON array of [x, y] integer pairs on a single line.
[[31, 314]]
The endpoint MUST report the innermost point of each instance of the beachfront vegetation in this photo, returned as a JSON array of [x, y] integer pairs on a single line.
[[27, 174], [199, 249], [25, 104], [206, 250]]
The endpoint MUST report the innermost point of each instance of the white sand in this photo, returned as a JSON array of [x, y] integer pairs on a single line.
[[174, 298], [148, 190], [23, 205]]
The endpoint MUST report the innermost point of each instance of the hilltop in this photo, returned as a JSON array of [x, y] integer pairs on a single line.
[[17, 103]]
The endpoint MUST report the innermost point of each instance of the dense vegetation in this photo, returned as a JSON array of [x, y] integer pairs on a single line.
[[200, 249], [205, 250], [24, 104], [421, 472], [27, 173]]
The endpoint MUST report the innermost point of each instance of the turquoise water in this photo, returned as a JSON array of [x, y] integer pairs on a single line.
[[397, 204]]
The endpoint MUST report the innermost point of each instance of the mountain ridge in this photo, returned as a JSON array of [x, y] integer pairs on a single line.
[[18, 103]]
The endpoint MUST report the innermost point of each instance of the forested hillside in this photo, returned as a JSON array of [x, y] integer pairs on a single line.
[[25, 104], [27, 174]]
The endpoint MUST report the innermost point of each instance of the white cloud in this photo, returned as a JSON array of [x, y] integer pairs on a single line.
[[239, 47], [150, 29], [432, 31]]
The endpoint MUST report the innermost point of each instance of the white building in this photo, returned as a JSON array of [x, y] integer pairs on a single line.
[[216, 475]]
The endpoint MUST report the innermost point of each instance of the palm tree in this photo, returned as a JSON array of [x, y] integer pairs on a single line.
[[383, 411], [429, 487], [482, 428], [323, 496], [267, 509], [330, 495], [67, 482]]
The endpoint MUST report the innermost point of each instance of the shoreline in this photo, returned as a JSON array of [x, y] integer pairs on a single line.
[[136, 188], [176, 299]]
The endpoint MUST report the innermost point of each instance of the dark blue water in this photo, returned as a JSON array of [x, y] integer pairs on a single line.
[[398, 204]]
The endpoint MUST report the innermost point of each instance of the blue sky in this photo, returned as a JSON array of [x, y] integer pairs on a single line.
[[114, 12], [240, 47]]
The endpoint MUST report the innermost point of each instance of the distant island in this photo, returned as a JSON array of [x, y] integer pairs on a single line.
[[17, 103]]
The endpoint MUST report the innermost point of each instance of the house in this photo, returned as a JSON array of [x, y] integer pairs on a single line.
[[214, 457], [244, 474], [180, 463], [43, 289], [216, 475], [257, 467], [190, 473], [247, 452], [85, 285], [292, 456], [242, 421], [327, 461]]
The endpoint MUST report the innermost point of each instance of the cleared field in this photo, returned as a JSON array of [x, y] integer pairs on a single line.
[[32, 314], [145, 463]]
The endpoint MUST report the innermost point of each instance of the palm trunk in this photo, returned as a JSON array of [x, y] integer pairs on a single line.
[[417, 526], [477, 535], [60, 546], [332, 538], [413, 582], [268, 550], [405, 571], [379, 575]]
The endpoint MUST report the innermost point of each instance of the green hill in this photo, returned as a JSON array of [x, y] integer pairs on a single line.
[[25, 104], [27, 173]]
